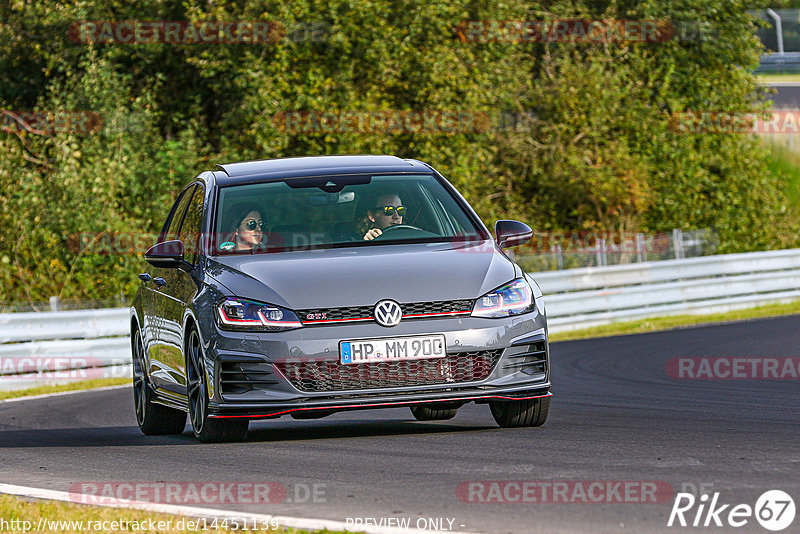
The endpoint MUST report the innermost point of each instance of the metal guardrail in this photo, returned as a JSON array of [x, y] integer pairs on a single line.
[[548, 251], [781, 34], [48, 347], [774, 63], [582, 298], [83, 324], [576, 298], [663, 271]]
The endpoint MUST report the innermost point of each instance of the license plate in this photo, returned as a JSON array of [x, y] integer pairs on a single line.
[[392, 349]]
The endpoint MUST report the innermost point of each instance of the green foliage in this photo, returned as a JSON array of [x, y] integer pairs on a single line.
[[784, 164], [605, 153], [597, 151]]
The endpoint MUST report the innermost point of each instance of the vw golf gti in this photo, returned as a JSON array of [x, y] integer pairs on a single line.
[[309, 286]]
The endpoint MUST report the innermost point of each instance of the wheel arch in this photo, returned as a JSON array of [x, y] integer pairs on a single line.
[[135, 328], [190, 323]]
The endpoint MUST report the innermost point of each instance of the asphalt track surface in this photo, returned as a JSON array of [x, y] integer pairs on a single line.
[[616, 416]]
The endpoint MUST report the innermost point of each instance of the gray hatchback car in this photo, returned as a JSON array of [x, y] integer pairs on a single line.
[[309, 286]]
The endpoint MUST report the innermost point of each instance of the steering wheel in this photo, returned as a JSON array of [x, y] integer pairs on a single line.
[[400, 226]]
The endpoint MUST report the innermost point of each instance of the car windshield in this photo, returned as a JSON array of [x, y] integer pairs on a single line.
[[335, 211]]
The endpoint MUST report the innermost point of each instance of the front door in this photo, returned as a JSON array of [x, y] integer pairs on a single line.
[[177, 294], [163, 360]]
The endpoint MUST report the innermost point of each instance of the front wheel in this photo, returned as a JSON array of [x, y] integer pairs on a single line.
[[153, 419], [529, 412], [206, 429]]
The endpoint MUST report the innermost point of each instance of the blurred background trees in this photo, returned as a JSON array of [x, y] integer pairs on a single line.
[[591, 146]]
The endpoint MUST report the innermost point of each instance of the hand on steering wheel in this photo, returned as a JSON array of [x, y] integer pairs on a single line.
[[375, 232], [372, 234]]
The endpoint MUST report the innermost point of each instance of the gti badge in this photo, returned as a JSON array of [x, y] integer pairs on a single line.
[[388, 313]]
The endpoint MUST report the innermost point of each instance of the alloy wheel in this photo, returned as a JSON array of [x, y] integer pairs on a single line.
[[196, 388], [139, 379]]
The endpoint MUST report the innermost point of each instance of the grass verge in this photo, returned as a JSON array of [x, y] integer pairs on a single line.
[[784, 163], [72, 386], [677, 321], [55, 517], [779, 77]]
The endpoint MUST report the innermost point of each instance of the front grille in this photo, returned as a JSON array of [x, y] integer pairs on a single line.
[[331, 375], [441, 306], [244, 374], [411, 310], [333, 314]]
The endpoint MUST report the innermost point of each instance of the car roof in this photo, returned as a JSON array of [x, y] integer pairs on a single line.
[[249, 171]]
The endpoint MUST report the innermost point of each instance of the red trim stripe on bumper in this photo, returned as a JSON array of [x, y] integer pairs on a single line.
[[379, 404]]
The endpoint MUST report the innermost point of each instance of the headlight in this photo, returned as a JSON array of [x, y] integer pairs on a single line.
[[514, 298], [240, 314]]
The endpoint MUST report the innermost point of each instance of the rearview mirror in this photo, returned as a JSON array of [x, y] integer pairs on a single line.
[[166, 254], [511, 233], [325, 199]]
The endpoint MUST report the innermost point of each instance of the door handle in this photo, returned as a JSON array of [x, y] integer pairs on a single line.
[[145, 277], [160, 282]]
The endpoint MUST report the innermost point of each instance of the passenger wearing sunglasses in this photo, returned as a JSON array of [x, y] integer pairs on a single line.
[[388, 211], [247, 228]]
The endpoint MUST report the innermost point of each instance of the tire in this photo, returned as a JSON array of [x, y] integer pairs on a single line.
[[153, 419], [512, 414], [426, 413], [206, 429]]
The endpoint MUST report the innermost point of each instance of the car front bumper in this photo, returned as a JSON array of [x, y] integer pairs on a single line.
[[455, 395], [510, 378]]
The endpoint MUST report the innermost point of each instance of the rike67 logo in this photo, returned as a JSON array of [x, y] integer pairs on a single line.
[[774, 510]]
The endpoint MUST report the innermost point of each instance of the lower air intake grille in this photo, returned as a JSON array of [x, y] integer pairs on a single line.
[[530, 358], [320, 376], [241, 376]]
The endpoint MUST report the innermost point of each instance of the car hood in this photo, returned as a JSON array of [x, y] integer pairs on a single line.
[[361, 276]]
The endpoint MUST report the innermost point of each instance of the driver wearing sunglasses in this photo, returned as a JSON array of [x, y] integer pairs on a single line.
[[388, 211], [248, 227]]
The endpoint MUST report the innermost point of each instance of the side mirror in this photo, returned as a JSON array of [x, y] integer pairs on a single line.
[[166, 254], [511, 233]]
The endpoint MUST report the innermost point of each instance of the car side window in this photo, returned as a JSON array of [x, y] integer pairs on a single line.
[[177, 216], [190, 229]]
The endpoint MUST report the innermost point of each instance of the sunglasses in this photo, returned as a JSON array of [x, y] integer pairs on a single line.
[[389, 210], [251, 225]]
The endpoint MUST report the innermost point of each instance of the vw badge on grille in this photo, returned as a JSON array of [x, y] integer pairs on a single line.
[[388, 313]]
